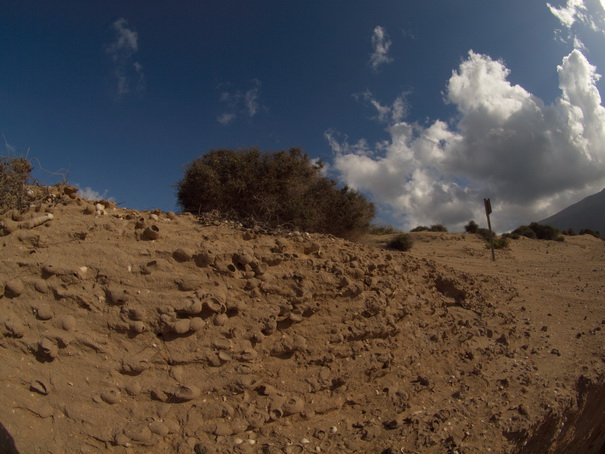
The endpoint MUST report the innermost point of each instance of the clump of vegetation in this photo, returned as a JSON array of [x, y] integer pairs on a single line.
[[594, 233], [382, 230], [511, 236], [432, 228], [524, 230], [539, 231], [14, 177], [500, 242], [402, 242], [282, 189], [471, 227], [571, 232], [485, 234], [420, 228]]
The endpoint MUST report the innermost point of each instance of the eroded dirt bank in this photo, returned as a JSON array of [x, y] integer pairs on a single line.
[[123, 331]]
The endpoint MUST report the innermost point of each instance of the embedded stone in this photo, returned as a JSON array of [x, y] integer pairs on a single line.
[[187, 392], [68, 323], [181, 326], [137, 326], [182, 255], [44, 312], [159, 428], [48, 348], [111, 396], [196, 324], [133, 388], [14, 288]]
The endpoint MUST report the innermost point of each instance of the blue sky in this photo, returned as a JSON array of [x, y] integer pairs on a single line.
[[425, 107]]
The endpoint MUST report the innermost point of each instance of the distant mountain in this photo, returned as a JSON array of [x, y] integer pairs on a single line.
[[588, 213]]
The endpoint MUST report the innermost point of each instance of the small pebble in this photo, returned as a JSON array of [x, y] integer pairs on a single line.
[[14, 288], [196, 324], [15, 327], [159, 428], [186, 393], [181, 326], [49, 348], [111, 396], [41, 286], [140, 433], [44, 312], [69, 323], [158, 394], [220, 319], [134, 388], [137, 327]]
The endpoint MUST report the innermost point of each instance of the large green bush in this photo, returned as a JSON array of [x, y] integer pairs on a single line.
[[539, 231], [278, 189]]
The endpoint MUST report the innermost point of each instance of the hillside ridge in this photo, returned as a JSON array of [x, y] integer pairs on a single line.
[[127, 331], [588, 213]]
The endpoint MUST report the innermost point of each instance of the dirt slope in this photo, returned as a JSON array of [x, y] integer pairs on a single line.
[[125, 331]]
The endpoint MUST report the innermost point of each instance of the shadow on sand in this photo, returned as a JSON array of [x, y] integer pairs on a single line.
[[7, 444]]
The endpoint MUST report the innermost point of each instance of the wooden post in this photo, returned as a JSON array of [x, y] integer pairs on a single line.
[[488, 211]]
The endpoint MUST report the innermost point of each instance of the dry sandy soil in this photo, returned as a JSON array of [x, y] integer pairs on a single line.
[[127, 332]]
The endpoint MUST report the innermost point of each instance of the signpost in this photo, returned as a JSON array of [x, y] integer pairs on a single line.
[[488, 211]]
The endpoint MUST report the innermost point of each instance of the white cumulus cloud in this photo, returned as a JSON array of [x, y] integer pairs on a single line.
[[90, 194], [531, 159], [396, 112], [575, 13], [380, 48]]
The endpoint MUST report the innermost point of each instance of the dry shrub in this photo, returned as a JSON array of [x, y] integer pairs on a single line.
[[279, 189], [432, 228], [14, 176], [471, 227], [539, 231], [402, 242]]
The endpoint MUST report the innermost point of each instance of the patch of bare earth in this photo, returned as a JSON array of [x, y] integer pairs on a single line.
[[125, 331]]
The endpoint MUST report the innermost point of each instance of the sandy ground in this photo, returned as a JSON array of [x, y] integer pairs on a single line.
[[125, 331]]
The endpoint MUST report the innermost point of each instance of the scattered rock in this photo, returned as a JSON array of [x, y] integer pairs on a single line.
[[111, 396], [159, 428], [186, 393], [48, 349], [151, 233], [44, 312], [68, 323], [14, 288], [134, 388]]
